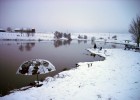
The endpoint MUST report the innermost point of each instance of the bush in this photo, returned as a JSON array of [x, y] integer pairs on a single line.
[[114, 37], [59, 35]]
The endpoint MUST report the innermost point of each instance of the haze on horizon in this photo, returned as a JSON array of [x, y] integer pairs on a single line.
[[69, 15]]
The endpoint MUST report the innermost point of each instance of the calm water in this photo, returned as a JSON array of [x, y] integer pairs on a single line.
[[62, 54]]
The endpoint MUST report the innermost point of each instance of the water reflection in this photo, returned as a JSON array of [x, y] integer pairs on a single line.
[[26, 46], [21, 47], [58, 43], [80, 41], [12, 51], [92, 42]]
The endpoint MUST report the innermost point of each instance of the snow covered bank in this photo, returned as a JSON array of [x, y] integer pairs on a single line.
[[107, 37], [23, 36], [116, 78]]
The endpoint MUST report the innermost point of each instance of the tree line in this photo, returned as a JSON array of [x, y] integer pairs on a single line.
[[28, 31], [82, 37], [59, 35]]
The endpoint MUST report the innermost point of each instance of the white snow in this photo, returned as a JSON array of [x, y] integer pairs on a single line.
[[108, 36], [42, 69], [115, 78], [23, 36], [50, 36]]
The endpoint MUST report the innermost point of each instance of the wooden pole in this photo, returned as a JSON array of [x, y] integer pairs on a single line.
[[37, 80]]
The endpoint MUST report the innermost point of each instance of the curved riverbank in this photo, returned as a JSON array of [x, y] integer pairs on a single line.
[[116, 78]]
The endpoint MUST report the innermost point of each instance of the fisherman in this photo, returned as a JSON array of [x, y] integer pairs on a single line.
[[100, 49], [95, 46]]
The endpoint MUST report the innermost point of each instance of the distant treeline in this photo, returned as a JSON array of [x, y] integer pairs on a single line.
[[25, 30], [21, 30], [59, 35], [28, 31], [82, 37]]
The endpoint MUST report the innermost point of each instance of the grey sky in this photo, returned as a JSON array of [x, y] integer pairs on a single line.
[[69, 15]]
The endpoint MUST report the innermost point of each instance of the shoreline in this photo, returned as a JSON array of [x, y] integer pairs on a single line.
[[63, 77], [115, 78]]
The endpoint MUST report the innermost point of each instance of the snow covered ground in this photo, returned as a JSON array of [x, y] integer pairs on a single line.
[[115, 78], [105, 36], [121, 37], [23, 36]]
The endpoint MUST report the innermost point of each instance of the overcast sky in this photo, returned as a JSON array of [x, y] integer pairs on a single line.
[[69, 15]]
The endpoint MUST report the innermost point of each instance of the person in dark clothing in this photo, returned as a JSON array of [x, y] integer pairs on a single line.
[[100, 48], [95, 46]]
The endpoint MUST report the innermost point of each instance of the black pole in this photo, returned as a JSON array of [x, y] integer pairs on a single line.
[[37, 80]]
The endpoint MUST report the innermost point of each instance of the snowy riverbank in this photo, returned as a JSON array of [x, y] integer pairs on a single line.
[[115, 78], [105, 37], [23, 36]]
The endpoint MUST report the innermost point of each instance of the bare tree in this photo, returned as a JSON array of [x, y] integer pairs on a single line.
[[33, 32], [28, 32], [21, 31], [135, 29]]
